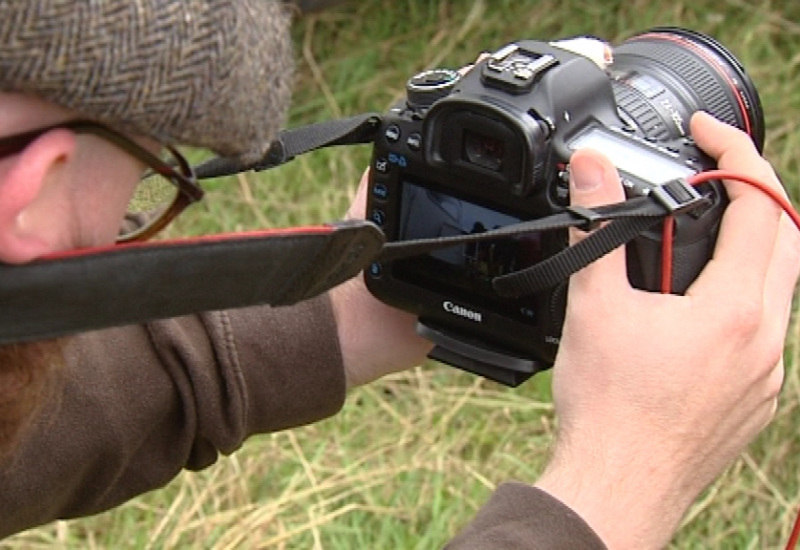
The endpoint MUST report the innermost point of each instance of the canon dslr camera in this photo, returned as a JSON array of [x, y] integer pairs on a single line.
[[465, 154]]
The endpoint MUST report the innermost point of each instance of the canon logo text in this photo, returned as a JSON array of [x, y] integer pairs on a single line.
[[461, 311]]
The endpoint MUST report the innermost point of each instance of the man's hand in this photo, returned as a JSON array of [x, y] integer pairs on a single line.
[[376, 339], [656, 394]]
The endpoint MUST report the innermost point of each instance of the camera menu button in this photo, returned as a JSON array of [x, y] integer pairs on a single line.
[[380, 191], [382, 165], [414, 141], [392, 133]]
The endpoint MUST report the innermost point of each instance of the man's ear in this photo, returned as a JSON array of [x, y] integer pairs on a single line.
[[30, 219]]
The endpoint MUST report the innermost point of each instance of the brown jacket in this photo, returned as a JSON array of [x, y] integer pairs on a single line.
[[141, 403]]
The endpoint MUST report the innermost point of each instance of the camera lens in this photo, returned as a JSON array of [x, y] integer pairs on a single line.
[[662, 76]]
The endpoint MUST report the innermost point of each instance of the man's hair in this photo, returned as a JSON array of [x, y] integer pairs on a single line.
[[209, 73], [29, 376]]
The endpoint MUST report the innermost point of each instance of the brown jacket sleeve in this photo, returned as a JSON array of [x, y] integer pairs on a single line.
[[520, 517], [141, 403]]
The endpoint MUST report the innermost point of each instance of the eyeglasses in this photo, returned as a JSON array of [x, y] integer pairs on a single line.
[[166, 189]]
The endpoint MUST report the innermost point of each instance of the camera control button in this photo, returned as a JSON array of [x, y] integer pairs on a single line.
[[380, 191], [425, 88], [382, 165], [414, 141], [562, 194], [392, 133], [528, 313], [378, 216], [561, 188]]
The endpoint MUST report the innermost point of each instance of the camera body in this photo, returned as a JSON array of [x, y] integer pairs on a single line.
[[469, 153]]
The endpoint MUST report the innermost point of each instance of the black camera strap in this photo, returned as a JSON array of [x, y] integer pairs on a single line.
[[625, 220], [97, 288], [121, 284], [582, 218], [559, 267], [290, 143], [138, 282]]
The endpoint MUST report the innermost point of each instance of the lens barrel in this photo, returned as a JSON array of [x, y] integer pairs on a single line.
[[665, 74]]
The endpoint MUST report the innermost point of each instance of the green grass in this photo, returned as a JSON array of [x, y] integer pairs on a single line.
[[411, 458]]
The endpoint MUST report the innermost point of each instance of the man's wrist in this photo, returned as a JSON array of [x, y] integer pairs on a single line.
[[628, 505]]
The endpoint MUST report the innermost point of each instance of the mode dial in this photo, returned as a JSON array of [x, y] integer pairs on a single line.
[[425, 88]]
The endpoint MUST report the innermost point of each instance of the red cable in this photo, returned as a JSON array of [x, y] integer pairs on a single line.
[[795, 534], [702, 177], [774, 194], [666, 255]]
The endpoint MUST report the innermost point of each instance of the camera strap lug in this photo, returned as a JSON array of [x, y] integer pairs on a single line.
[[678, 196]]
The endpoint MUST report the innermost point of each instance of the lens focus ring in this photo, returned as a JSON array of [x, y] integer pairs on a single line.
[[703, 80], [693, 70]]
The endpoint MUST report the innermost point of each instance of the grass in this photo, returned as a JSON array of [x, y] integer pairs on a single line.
[[411, 458]]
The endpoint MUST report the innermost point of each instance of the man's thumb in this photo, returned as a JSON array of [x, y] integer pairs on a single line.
[[594, 182]]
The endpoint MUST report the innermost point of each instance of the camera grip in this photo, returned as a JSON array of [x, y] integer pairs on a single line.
[[689, 257]]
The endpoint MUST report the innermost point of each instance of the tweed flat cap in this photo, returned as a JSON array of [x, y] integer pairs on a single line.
[[208, 73]]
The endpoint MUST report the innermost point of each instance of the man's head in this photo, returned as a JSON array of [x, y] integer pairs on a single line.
[[208, 73]]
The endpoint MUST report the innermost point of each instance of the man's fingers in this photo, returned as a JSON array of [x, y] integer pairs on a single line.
[[744, 246], [782, 275], [733, 150], [750, 222]]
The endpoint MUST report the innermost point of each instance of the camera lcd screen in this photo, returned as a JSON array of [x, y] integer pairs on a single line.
[[637, 161], [465, 270]]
